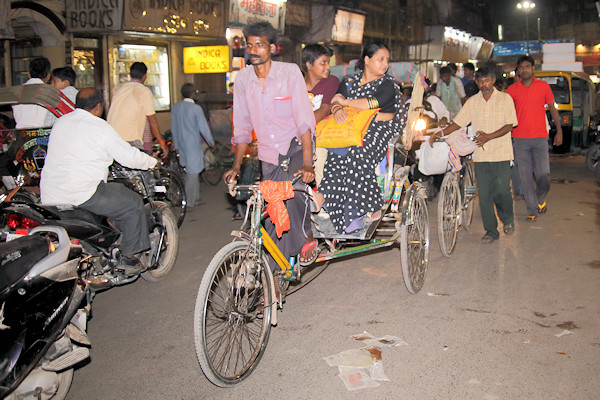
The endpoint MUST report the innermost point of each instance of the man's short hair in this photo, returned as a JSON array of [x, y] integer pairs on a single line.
[[525, 58], [261, 29], [39, 68], [65, 74], [138, 70], [312, 51], [453, 67], [89, 102], [445, 70], [469, 66], [485, 72], [187, 90]]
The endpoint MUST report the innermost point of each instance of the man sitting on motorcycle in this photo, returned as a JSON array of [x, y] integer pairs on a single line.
[[81, 148]]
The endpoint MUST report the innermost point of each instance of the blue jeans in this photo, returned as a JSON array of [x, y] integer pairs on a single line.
[[534, 170]]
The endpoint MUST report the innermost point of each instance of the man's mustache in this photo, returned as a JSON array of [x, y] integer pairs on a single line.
[[253, 56]]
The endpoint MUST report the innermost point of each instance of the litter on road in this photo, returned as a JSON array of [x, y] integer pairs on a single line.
[[363, 368]]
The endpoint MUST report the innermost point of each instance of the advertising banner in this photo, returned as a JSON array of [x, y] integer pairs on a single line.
[[205, 59], [94, 15], [348, 27], [244, 12], [175, 17]]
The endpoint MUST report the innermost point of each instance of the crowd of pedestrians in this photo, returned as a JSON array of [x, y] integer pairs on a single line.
[[270, 106]]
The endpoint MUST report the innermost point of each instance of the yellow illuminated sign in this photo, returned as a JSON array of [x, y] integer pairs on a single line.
[[205, 59]]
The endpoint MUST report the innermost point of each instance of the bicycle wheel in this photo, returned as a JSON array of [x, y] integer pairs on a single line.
[[448, 213], [175, 195], [414, 244], [469, 194], [213, 169], [232, 318]]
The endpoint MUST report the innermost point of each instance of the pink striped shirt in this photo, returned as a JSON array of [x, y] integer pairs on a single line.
[[278, 112]]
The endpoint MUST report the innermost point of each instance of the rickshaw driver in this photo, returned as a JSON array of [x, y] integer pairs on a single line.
[[272, 99]]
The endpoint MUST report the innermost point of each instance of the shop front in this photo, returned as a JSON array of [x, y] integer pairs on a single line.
[[110, 35]]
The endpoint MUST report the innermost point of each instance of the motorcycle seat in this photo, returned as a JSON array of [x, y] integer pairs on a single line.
[[18, 256], [72, 212]]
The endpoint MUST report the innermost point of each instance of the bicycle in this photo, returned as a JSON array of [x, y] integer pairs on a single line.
[[239, 295], [217, 159], [455, 202]]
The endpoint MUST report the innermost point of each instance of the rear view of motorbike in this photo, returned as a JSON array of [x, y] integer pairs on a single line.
[[44, 305]]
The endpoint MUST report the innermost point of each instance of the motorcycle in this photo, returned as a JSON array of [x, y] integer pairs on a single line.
[[44, 306], [100, 238]]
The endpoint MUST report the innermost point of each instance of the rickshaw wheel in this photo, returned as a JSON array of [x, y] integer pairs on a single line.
[[449, 209], [232, 318], [414, 244]]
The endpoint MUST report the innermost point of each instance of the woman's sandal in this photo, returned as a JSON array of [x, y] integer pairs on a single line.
[[316, 201], [373, 216], [303, 253]]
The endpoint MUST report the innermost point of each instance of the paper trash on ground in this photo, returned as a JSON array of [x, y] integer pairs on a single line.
[[563, 333], [356, 378], [384, 341], [363, 368]]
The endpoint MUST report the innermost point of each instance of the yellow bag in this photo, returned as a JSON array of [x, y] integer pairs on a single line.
[[332, 135]]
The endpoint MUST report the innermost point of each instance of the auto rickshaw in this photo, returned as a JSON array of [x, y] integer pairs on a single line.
[[574, 96]]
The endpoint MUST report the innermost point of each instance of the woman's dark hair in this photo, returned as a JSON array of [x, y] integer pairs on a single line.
[[312, 51], [39, 68], [368, 51], [187, 90], [138, 70], [261, 29], [65, 74], [90, 101], [529, 59]]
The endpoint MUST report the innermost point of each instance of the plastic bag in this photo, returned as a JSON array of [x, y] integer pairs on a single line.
[[434, 160]]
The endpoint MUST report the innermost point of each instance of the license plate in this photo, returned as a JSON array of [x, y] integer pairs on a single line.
[[160, 189], [13, 236]]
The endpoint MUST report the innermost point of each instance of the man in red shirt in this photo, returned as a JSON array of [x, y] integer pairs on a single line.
[[531, 136]]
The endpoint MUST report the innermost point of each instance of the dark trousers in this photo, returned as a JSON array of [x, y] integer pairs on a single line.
[[493, 180], [113, 200], [298, 208], [534, 170]]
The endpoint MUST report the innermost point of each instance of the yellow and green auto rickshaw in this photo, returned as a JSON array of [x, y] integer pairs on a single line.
[[574, 96]]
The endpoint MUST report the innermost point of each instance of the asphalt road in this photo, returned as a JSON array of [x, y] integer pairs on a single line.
[[489, 333]]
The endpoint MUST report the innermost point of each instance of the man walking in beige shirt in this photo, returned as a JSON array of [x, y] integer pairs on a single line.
[[131, 105], [493, 115]]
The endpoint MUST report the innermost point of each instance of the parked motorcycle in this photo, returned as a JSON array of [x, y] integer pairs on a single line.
[[44, 305], [101, 239]]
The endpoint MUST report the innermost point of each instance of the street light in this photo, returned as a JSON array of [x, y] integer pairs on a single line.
[[526, 5]]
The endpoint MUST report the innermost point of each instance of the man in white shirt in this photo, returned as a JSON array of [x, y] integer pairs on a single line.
[[81, 148], [31, 115]]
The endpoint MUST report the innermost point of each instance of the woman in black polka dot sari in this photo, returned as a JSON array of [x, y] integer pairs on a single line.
[[349, 185]]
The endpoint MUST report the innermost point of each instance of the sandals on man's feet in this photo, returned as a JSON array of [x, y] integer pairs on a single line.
[[509, 229], [542, 208], [487, 239], [303, 253], [373, 216], [531, 218]]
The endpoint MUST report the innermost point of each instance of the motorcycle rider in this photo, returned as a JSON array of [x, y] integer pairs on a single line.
[[81, 148]]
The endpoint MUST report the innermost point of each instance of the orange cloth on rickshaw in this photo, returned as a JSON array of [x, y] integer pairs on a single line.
[[275, 193]]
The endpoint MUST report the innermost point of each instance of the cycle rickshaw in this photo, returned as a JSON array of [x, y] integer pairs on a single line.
[[238, 297]]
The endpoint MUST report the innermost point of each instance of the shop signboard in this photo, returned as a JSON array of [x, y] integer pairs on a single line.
[[243, 12], [205, 59], [348, 27], [175, 17], [93, 15]]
